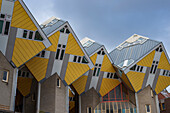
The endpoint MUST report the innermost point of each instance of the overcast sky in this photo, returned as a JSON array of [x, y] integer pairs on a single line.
[[109, 22]]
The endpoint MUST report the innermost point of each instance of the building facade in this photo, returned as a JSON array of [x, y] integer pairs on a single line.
[[46, 69]]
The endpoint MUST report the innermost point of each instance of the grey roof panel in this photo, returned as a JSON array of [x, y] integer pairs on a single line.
[[132, 52], [92, 48]]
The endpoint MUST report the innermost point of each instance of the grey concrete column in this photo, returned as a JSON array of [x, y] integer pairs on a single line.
[[38, 98], [14, 87], [79, 104], [157, 104], [23, 108], [67, 99], [137, 104]]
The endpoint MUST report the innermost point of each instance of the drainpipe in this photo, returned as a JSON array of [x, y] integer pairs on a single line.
[[137, 105], [157, 104], [38, 98]]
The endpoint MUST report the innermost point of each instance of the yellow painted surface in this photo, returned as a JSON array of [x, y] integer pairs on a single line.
[[71, 105], [24, 50], [136, 79], [125, 79], [162, 83], [147, 60], [93, 58], [20, 18], [54, 40], [80, 84], [38, 67], [163, 62], [70, 93], [107, 85], [74, 71], [24, 85], [0, 4], [106, 65], [73, 47]]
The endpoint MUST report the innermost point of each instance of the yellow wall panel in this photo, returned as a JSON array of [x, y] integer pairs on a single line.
[[93, 58], [147, 60], [20, 18], [107, 85], [136, 79], [24, 85], [54, 40], [163, 62], [25, 49], [73, 47], [0, 4], [38, 67], [107, 65], [162, 83], [125, 79], [80, 84], [74, 71], [71, 105]]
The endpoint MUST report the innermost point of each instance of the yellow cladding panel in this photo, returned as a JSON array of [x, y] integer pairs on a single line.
[[54, 40], [25, 49], [73, 47], [24, 85], [163, 62], [80, 84], [125, 79], [74, 71], [71, 105], [0, 4], [136, 79], [20, 18], [162, 83], [107, 85], [38, 67], [107, 65], [147, 60], [70, 93], [93, 58]]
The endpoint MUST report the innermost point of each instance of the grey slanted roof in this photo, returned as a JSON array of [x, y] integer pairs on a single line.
[[92, 48], [133, 52], [51, 25]]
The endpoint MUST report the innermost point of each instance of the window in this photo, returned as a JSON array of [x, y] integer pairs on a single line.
[[30, 35], [58, 82], [148, 108], [5, 76], [154, 67], [89, 109], [163, 106], [137, 68], [85, 60], [96, 71], [38, 36], [60, 52], [4, 24], [80, 59], [23, 73], [112, 75], [42, 54], [25, 34], [101, 52], [133, 68], [33, 97], [65, 30], [159, 49], [71, 98]]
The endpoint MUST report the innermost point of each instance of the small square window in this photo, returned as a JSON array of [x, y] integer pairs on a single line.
[[5, 76], [64, 46], [58, 82]]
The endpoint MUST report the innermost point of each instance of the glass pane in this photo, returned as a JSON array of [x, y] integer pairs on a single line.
[[118, 93], [84, 60], [131, 110], [62, 54], [94, 72], [105, 98], [30, 35], [43, 54], [75, 58], [5, 75], [38, 36], [57, 54], [25, 34], [112, 95], [19, 73], [98, 72], [7, 28], [1, 25], [79, 59]]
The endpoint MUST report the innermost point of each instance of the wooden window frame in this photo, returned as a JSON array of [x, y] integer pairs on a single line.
[[7, 79]]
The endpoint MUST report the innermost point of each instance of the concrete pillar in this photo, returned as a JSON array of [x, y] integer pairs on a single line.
[[23, 108], [67, 99], [157, 104], [14, 87], [79, 104], [38, 98], [137, 105]]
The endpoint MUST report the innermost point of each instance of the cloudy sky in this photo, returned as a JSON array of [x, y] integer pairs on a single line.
[[109, 22]]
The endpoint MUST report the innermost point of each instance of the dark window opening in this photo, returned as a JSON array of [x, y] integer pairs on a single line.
[[59, 45], [84, 60], [99, 52], [94, 72], [57, 55], [131, 110], [67, 31], [133, 68], [75, 58], [138, 68], [147, 108], [151, 69], [1, 25], [27, 74], [141, 69], [23, 74], [157, 49], [115, 76], [25, 34], [167, 73], [7, 28], [19, 73], [160, 50], [108, 74], [38, 36], [155, 69], [64, 46], [62, 54], [2, 16], [43, 54], [30, 35], [164, 72], [96, 64], [111, 75], [98, 72], [79, 59], [58, 82], [62, 30], [103, 53], [5, 76], [100, 65], [38, 54]]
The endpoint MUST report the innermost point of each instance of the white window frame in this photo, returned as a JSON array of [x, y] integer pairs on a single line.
[[58, 85], [149, 108], [3, 70]]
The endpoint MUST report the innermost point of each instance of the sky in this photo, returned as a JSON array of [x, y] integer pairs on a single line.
[[109, 22]]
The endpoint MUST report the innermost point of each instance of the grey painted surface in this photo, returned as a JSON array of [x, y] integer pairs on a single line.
[[156, 78], [64, 66], [133, 52], [92, 48], [146, 77], [99, 81], [88, 80], [50, 64], [11, 43]]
